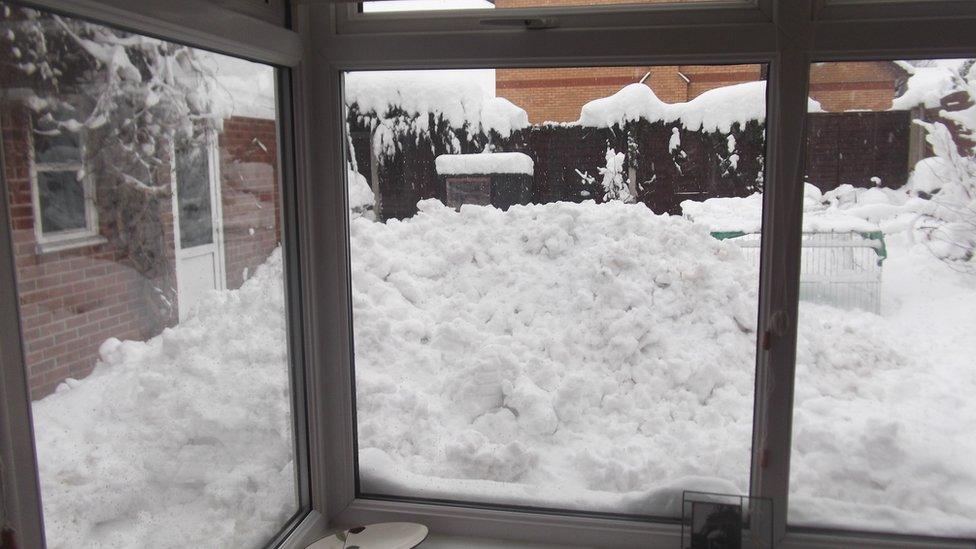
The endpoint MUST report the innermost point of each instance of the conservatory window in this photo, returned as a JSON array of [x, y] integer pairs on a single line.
[[884, 380], [63, 193], [529, 328], [158, 362]]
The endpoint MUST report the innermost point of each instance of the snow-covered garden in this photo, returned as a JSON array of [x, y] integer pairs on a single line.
[[585, 356]]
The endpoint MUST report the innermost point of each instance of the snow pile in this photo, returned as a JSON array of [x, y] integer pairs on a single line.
[[484, 163], [559, 354], [714, 110], [600, 357], [179, 441], [458, 98], [821, 212], [883, 419]]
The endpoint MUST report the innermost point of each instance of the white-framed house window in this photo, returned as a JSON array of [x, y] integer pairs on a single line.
[[62, 192]]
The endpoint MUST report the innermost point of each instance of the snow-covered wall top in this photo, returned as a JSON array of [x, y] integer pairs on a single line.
[[714, 110], [484, 163], [456, 98]]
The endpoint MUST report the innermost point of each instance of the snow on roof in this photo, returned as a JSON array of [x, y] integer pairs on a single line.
[[484, 163], [714, 110], [459, 97], [926, 87]]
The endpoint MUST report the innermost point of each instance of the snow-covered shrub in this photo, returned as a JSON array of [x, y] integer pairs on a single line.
[[946, 182], [615, 184], [129, 93]]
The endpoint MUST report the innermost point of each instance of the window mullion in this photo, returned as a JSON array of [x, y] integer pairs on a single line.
[[18, 475], [780, 260]]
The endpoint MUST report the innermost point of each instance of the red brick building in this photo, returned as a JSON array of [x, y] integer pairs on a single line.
[[125, 269], [558, 94]]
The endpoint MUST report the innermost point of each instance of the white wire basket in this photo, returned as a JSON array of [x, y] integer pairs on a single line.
[[841, 269]]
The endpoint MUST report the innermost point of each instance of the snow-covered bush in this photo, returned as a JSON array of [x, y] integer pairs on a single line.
[[130, 94], [615, 184], [946, 182]]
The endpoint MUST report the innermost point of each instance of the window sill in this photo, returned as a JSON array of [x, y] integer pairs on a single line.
[[455, 526], [70, 243]]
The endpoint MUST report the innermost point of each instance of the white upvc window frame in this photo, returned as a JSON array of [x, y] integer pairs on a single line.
[[787, 34], [62, 240]]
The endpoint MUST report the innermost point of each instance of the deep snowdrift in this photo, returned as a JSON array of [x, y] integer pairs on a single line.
[[180, 441], [601, 358], [583, 356], [573, 349]]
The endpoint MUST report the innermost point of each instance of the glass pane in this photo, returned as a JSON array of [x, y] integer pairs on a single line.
[[555, 315], [159, 376], [62, 199], [57, 146], [438, 5], [193, 193], [884, 415]]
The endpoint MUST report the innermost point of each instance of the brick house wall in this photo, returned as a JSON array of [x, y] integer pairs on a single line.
[[73, 300], [249, 195]]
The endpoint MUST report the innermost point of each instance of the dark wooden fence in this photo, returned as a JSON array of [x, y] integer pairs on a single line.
[[842, 148], [854, 147]]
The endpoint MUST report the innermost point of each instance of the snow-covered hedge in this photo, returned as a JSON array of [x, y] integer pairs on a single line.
[[712, 145]]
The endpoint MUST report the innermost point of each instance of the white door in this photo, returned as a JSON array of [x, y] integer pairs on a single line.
[[197, 223]]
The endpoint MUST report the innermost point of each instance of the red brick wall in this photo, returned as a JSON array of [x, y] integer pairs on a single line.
[[70, 301], [250, 199]]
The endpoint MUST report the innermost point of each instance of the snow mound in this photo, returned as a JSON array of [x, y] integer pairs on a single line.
[[180, 440], [601, 357], [560, 354], [484, 163], [745, 214]]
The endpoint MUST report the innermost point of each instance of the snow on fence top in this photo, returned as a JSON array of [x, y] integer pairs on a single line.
[[484, 163], [455, 97], [714, 110]]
